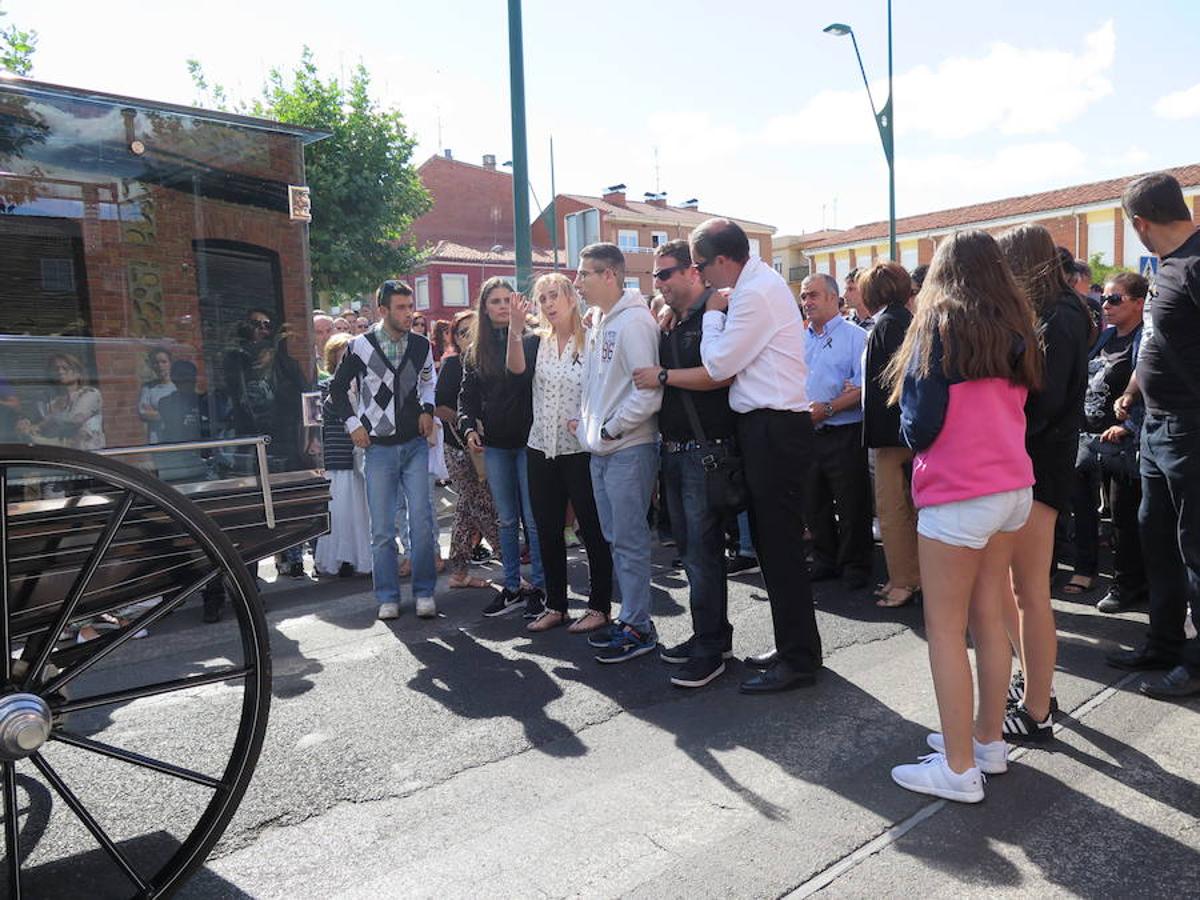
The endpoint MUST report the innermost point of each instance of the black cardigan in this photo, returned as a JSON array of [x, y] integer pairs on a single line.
[[503, 402], [881, 423]]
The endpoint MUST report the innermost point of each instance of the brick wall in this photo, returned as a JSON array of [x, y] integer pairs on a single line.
[[471, 205]]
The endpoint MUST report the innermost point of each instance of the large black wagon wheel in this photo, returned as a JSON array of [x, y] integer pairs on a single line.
[[82, 536]]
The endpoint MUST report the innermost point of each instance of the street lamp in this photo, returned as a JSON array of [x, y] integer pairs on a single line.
[[883, 120]]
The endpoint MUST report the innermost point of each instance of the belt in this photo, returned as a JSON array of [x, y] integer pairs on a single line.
[[682, 446]]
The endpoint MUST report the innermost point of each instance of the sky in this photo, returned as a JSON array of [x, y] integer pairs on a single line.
[[748, 107]]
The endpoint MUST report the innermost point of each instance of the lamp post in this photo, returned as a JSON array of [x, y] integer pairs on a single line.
[[883, 120], [522, 249]]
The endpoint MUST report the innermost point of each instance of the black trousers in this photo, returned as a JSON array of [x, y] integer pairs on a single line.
[[552, 482], [838, 500], [1124, 497], [1169, 518], [776, 446]]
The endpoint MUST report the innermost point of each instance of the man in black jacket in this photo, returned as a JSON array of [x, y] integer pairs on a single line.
[[393, 370]]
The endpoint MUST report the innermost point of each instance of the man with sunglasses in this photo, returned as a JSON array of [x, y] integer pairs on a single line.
[[1103, 441], [755, 335]]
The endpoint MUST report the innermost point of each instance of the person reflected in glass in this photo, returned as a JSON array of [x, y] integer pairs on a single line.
[[72, 415], [154, 390]]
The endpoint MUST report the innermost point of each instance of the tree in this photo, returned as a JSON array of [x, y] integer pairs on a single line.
[[16, 49], [365, 190], [1101, 273]]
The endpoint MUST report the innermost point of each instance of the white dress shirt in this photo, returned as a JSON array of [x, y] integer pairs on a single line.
[[759, 343]]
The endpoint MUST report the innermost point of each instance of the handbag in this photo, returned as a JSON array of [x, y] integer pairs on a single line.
[[1119, 460], [724, 471]]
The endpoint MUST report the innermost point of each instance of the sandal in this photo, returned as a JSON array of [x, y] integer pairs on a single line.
[[1079, 584], [882, 590], [550, 618], [589, 621], [899, 596], [468, 583]]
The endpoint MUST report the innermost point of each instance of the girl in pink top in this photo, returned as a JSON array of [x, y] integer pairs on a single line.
[[961, 377]]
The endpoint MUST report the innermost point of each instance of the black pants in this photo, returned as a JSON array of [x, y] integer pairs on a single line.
[[1169, 518], [1124, 497], [838, 495], [776, 446], [552, 482]]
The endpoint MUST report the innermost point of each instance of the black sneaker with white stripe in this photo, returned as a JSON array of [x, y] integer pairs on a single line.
[[1019, 726], [535, 602], [681, 653], [504, 602]]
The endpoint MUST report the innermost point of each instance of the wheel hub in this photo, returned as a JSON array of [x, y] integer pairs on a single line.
[[24, 725]]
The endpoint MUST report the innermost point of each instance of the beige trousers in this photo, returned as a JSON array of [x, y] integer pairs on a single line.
[[897, 516]]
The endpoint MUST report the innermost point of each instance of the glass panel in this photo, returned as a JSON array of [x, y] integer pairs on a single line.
[[153, 286]]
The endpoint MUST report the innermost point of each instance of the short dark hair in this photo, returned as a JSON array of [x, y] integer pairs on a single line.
[[721, 237], [1157, 198], [608, 255], [1132, 284], [678, 250], [918, 276], [852, 275], [389, 289], [885, 284]]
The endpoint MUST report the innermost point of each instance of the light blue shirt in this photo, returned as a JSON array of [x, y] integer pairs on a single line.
[[834, 357]]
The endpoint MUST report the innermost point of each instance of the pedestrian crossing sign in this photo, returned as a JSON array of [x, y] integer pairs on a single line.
[[1148, 266]]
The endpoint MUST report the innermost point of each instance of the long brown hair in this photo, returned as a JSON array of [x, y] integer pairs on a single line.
[[468, 316], [1037, 268], [486, 353], [972, 302]]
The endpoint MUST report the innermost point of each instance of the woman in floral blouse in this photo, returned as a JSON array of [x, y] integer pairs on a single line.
[[72, 416], [559, 469]]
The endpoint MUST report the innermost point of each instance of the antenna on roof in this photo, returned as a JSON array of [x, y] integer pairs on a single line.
[[657, 180]]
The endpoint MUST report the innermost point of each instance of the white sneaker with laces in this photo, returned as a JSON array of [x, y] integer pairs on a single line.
[[426, 608], [389, 611], [933, 776], [991, 758]]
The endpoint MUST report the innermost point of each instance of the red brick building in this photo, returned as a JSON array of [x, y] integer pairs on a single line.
[[1086, 219]]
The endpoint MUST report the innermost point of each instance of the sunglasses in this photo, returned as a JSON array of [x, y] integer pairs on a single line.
[[700, 264], [1112, 299], [664, 274], [463, 332], [261, 323]]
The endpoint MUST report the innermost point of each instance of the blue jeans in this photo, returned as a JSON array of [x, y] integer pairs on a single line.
[[700, 536], [402, 519], [392, 472], [745, 544], [623, 482], [508, 480]]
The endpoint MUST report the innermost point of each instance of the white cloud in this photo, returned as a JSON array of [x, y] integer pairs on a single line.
[[1183, 104], [1012, 90]]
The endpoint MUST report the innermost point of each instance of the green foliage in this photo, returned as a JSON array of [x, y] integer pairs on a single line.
[[365, 190], [16, 49], [1100, 272]]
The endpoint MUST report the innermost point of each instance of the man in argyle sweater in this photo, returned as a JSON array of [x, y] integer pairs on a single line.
[[392, 369]]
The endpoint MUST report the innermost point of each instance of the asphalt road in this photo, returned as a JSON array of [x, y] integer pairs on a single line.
[[463, 757]]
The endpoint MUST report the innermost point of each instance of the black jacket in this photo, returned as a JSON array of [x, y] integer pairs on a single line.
[[503, 402], [1055, 413], [881, 423]]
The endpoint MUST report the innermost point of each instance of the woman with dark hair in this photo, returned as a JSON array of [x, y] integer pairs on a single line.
[[886, 289], [474, 512], [438, 337], [1053, 415], [961, 377], [159, 362], [495, 409]]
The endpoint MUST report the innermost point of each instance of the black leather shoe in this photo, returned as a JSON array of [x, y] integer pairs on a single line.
[[1140, 659], [1179, 682], [780, 677], [763, 660], [1115, 601]]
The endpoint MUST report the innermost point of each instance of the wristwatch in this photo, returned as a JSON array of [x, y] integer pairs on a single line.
[[604, 435], [662, 377], [427, 408], [828, 410]]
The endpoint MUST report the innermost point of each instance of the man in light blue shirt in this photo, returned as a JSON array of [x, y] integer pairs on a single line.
[[838, 498]]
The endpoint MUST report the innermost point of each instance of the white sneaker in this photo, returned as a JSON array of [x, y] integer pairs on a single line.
[[389, 610], [992, 757], [933, 776], [426, 608]]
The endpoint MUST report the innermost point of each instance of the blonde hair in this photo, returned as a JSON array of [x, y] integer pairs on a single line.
[[556, 280], [334, 348]]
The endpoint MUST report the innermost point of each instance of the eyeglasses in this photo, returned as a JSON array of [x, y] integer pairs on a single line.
[[1112, 299], [664, 274], [463, 332]]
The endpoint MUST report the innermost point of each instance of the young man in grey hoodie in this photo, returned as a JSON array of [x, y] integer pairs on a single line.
[[618, 426]]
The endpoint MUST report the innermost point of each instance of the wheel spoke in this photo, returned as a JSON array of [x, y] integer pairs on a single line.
[[145, 620], [151, 690], [5, 624], [12, 830], [82, 580], [88, 821], [136, 759]]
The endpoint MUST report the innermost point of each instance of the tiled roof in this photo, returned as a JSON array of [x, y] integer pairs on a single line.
[[806, 239], [636, 209], [449, 251], [1011, 207]]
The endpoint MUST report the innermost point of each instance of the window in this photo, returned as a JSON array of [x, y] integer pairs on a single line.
[[1134, 249], [755, 249], [1100, 239], [58, 276], [777, 263], [627, 239], [823, 264], [632, 283], [658, 238], [421, 292], [455, 291], [908, 258]]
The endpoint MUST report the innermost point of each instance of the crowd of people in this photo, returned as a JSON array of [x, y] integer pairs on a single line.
[[981, 410]]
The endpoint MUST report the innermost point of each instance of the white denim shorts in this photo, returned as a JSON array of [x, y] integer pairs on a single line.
[[971, 523]]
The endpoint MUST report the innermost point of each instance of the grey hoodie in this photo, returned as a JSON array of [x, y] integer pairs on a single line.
[[624, 340]]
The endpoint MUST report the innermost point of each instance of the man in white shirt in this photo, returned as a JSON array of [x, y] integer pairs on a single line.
[[756, 336]]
